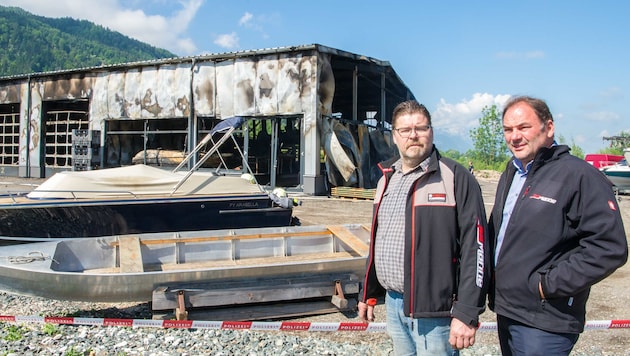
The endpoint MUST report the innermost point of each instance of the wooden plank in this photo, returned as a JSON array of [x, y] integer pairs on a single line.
[[348, 192], [130, 255], [256, 261], [350, 239]]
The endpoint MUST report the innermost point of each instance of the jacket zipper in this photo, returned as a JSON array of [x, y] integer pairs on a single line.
[[543, 301]]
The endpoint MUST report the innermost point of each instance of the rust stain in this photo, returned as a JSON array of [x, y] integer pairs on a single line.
[[149, 104], [183, 105]]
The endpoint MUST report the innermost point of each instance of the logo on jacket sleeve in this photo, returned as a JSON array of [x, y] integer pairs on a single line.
[[480, 255], [612, 205], [437, 197]]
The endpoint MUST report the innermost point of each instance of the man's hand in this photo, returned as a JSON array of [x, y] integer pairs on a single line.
[[462, 335], [366, 312]]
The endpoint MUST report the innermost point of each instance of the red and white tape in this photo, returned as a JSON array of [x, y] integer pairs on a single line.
[[256, 325]]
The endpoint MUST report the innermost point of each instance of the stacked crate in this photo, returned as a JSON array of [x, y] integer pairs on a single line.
[[85, 149]]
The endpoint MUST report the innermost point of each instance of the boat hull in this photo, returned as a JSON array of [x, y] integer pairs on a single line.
[[67, 218], [619, 177], [97, 269]]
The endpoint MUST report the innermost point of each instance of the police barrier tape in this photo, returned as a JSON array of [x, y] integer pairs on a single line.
[[256, 325]]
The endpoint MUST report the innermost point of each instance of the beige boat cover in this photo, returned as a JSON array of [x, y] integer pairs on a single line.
[[140, 179]]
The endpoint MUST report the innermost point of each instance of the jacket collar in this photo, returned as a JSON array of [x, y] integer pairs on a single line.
[[544, 155]]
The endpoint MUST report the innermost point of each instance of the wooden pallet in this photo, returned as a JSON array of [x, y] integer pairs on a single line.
[[348, 192]]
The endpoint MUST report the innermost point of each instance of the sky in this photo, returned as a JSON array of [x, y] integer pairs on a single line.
[[457, 57]]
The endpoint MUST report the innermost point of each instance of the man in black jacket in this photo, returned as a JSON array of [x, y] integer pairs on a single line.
[[427, 251], [556, 230]]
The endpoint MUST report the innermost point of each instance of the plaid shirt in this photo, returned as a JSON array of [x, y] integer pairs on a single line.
[[389, 248]]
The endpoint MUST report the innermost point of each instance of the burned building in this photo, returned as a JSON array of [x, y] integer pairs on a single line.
[[317, 116]]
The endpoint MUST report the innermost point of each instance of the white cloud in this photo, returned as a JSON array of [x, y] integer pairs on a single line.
[[246, 19], [228, 40], [457, 119], [156, 30], [255, 23], [188, 46]]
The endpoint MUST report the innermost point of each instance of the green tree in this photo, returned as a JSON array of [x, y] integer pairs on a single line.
[[489, 144], [38, 44], [576, 150], [617, 143]]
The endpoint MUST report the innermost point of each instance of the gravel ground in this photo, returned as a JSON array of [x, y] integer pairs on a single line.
[[609, 300]]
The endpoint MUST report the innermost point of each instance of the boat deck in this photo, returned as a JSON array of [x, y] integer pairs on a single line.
[[130, 250]]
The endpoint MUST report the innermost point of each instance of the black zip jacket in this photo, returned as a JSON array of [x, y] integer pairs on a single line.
[[565, 231], [445, 244]]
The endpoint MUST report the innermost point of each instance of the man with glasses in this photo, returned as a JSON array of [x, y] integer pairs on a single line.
[[427, 251]]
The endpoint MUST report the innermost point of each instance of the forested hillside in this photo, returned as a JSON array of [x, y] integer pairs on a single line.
[[32, 43]]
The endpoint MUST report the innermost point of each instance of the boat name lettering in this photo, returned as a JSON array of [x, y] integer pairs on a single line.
[[244, 204]]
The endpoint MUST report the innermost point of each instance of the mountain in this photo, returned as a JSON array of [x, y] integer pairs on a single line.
[[33, 43]]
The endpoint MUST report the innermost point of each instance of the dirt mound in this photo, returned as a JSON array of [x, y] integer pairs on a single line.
[[487, 174]]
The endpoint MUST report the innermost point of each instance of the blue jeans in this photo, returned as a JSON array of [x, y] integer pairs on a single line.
[[421, 336], [519, 339]]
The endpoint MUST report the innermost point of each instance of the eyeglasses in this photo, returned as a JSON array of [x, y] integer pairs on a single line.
[[405, 132]]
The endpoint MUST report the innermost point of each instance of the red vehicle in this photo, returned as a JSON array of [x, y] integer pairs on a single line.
[[601, 160]]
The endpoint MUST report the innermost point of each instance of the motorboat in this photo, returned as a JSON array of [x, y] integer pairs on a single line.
[[143, 199], [619, 175], [130, 268]]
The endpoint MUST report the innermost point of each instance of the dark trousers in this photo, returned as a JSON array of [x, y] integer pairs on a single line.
[[519, 339]]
